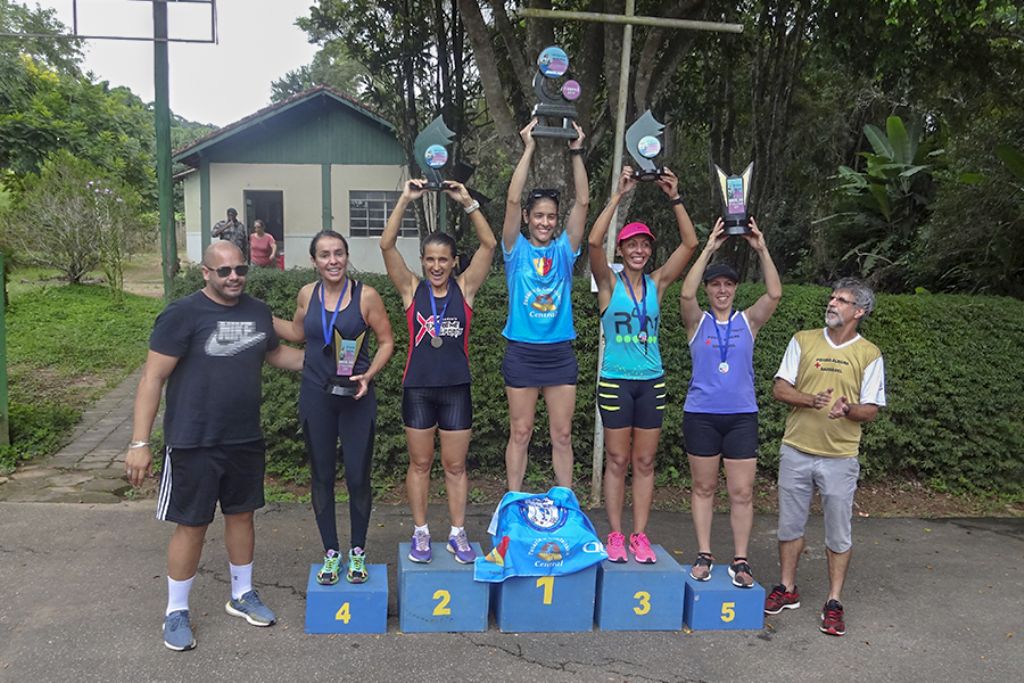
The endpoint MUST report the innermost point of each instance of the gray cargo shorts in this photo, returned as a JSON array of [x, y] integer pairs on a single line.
[[836, 481]]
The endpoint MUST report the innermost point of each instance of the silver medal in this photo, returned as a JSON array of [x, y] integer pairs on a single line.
[[723, 367], [436, 342]]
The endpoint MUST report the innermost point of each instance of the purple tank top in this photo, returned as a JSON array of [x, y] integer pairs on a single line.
[[712, 390]]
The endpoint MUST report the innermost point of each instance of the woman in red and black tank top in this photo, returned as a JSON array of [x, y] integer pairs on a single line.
[[436, 385]]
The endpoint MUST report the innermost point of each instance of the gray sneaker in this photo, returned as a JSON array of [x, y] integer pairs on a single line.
[[252, 609], [178, 631]]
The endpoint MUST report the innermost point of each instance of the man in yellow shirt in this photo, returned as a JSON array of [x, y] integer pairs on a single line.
[[834, 380]]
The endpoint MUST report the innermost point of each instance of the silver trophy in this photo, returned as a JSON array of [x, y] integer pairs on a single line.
[[644, 145], [555, 97], [431, 152]]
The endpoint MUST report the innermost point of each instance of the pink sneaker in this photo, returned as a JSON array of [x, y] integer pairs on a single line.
[[616, 547], [641, 549]]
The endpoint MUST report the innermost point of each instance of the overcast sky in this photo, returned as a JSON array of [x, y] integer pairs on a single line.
[[219, 83]]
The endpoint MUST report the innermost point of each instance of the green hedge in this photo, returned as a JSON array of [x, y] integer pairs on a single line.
[[955, 417]]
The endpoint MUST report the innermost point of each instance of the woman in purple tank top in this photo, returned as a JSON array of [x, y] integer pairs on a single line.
[[720, 415], [436, 391]]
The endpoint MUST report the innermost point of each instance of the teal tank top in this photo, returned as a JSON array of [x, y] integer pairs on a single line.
[[540, 291], [626, 356]]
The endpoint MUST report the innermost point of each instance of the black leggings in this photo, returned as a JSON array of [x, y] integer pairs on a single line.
[[325, 419]]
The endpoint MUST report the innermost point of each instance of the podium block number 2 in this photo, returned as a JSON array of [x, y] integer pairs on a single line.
[[343, 614], [643, 599], [728, 611], [443, 597], [548, 584]]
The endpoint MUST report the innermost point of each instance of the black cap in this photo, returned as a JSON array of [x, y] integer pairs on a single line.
[[720, 270]]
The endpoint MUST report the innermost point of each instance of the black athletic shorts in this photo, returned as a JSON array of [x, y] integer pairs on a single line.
[[195, 479], [638, 403], [527, 365], [447, 408], [733, 436]]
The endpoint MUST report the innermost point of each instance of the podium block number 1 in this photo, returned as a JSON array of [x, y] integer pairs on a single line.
[[548, 584], [344, 614], [443, 597]]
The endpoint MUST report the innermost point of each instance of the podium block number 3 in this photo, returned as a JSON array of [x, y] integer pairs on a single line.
[[728, 611], [443, 597], [643, 599], [548, 584], [343, 614]]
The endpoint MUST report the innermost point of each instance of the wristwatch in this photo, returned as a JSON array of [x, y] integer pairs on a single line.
[[579, 151], [678, 200], [471, 207]]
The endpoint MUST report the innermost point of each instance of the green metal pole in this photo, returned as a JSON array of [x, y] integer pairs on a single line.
[[5, 431], [168, 241]]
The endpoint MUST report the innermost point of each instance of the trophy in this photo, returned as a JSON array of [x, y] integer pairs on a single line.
[[554, 100], [431, 153], [643, 143], [735, 191], [344, 352]]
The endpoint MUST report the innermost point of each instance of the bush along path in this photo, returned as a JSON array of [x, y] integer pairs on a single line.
[[90, 468]]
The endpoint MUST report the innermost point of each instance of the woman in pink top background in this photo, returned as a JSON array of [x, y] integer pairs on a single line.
[[262, 246]]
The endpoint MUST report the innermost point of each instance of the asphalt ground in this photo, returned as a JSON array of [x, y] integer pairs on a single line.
[[83, 590]]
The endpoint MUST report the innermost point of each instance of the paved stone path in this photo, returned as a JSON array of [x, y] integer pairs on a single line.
[[90, 468]]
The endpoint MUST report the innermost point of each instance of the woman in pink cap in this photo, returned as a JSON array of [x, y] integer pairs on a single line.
[[631, 387]]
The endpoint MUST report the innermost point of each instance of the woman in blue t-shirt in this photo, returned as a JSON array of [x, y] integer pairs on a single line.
[[720, 413], [539, 356], [436, 385], [631, 387]]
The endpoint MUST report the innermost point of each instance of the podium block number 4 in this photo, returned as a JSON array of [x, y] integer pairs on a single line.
[[344, 614], [728, 611], [548, 584], [443, 597], [643, 599]]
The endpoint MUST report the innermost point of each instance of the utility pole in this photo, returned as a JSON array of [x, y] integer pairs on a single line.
[[165, 190]]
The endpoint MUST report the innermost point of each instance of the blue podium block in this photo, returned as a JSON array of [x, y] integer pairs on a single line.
[[532, 604], [440, 596], [641, 597], [346, 607], [716, 604]]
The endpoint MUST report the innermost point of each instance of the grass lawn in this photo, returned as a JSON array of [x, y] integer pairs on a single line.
[[66, 346]]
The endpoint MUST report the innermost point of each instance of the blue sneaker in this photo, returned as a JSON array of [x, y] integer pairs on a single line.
[[331, 570], [420, 547], [178, 631], [458, 545], [251, 608], [356, 566]]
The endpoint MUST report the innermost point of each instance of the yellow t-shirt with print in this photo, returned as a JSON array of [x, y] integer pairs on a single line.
[[850, 370]]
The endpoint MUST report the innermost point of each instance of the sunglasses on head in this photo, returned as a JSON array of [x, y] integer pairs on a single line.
[[542, 193], [225, 271]]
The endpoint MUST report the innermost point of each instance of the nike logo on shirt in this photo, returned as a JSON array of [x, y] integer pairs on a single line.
[[232, 337]]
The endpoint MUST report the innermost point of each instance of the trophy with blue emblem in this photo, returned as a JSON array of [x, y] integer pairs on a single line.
[[643, 141], [555, 95], [431, 152]]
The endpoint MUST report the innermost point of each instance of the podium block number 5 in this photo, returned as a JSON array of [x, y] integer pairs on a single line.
[[343, 613], [728, 611], [644, 606], [548, 584], [443, 597]]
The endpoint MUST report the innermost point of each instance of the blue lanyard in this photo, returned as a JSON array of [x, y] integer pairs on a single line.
[[433, 308], [641, 305], [723, 346], [323, 312]]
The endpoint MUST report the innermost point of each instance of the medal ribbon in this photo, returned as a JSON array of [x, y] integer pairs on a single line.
[[433, 309], [723, 346], [641, 305], [323, 313]]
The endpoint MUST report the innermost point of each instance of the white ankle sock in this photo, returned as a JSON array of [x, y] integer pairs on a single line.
[[455, 531], [241, 579], [177, 594], [425, 529]]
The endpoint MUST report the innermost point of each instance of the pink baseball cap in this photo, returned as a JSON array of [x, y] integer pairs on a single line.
[[634, 229]]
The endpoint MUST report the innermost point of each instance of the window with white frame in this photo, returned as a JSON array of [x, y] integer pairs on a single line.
[[368, 211]]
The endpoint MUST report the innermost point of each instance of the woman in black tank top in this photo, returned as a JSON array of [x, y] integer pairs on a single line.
[[336, 398], [435, 393]]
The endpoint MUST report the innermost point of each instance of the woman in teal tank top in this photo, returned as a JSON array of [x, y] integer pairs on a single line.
[[631, 386]]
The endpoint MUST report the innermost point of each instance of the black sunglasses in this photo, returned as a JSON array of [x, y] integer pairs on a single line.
[[225, 271], [542, 193]]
